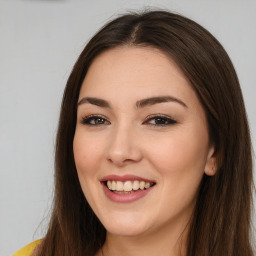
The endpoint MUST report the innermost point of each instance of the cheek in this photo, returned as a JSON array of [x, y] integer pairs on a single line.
[[87, 153], [181, 160], [179, 156], [180, 163]]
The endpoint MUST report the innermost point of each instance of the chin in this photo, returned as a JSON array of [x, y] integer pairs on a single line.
[[125, 225]]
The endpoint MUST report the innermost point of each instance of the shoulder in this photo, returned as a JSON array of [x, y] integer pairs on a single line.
[[28, 249]]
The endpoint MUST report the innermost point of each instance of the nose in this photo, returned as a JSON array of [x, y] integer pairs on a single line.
[[123, 147]]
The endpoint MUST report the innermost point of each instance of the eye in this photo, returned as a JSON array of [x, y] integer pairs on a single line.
[[94, 120], [159, 120]]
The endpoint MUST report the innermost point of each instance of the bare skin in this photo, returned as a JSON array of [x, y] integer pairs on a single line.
[[125, 132]]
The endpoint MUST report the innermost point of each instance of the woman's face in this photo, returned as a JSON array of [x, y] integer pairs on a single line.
[[142, 132]]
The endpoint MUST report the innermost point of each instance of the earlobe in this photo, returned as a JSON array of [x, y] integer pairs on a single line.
[[210, 170], [211, 165]]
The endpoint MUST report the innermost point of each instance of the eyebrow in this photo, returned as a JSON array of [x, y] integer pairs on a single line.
[[155, 100], [94, 101], [139, 104]]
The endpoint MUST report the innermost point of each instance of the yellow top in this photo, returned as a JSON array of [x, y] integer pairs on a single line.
[[28, 249]]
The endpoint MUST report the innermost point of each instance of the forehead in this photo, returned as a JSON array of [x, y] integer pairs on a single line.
[[132, 60], [135, 72]]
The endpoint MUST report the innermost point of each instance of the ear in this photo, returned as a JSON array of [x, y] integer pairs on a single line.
[[211, 164]]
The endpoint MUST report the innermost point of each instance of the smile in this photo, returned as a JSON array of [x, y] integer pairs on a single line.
[[128, 186], [126, 189]]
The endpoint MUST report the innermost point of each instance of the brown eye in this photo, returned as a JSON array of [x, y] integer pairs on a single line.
[[160, 120], [99, 121], [94, 120]]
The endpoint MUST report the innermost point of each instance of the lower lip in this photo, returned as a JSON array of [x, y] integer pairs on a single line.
[[126, 198]]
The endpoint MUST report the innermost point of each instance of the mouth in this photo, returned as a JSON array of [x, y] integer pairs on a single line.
[[128, 186]]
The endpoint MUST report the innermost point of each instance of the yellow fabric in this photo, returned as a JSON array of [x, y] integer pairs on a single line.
[[27, 250]]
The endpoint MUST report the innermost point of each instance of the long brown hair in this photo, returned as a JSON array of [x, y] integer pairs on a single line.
[[221, 221]]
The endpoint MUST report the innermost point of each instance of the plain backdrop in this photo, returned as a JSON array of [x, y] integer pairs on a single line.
[[39, 43]]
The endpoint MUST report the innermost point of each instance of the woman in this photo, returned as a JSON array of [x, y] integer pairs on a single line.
[[153, 152]]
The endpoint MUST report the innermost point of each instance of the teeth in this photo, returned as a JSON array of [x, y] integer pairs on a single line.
[[147, 185], [113, 185], [142, 184], [109, 184], [136, 185], [119, 186], [128, 186]]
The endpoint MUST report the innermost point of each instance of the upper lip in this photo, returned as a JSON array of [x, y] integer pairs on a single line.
[[124, 178]]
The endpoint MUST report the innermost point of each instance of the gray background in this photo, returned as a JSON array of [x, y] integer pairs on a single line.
[[39, 43]]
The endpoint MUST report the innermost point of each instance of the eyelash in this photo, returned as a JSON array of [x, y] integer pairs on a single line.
[[166, 120], [87, 120]]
